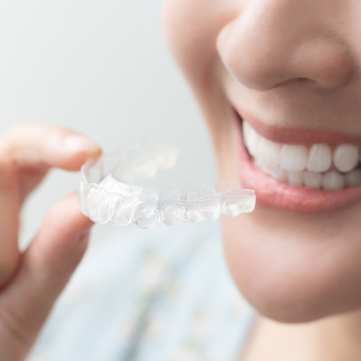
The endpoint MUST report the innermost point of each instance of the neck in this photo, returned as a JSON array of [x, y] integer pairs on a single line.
[[340, 336], [335, 338]]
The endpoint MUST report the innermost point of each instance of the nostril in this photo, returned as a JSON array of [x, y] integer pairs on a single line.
[[262, 60], [296, 81], [301, 80]]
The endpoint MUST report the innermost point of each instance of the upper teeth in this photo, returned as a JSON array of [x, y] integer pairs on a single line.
[[299, 165], [345, 157], [293, 157], [319, 158]]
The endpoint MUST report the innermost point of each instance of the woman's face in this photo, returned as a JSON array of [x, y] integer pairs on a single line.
[[288, 73]]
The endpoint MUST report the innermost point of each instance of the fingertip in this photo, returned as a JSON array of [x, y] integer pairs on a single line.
[[76, 159], [71, 150], [80, 143], [81, 148]]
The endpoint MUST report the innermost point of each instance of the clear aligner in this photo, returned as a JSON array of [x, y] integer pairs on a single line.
[[107, 193]]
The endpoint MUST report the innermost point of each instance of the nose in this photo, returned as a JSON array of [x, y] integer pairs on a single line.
[[272, 42]]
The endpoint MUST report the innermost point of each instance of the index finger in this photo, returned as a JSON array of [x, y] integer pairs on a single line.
[[31, 146], [36, 144]]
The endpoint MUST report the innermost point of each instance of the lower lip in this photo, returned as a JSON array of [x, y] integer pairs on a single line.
[[279, 195]]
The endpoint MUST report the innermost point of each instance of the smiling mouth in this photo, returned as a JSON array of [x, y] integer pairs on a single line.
[[317, 166], [298, 177]]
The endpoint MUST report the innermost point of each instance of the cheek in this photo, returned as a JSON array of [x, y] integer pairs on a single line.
[[293, 268], [191, 28]]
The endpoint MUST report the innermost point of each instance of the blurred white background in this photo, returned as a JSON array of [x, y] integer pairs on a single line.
[[100, 67]]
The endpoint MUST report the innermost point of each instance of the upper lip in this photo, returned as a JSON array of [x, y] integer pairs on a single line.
[[298, 135]]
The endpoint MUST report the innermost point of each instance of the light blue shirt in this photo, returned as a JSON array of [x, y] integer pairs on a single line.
[[163, 294]]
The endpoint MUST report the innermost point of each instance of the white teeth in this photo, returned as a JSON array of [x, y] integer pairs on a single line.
[[312, 179], [274, 171], [252, 141], [293, 157], [298, 166], [353, 178], [295, 179], [333, 181], [268, 152], [345, 157], [320, 158]]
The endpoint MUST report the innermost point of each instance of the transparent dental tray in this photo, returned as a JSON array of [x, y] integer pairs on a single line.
[[108, 193]]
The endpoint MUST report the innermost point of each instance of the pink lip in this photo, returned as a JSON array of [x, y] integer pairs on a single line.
[[279, 195]]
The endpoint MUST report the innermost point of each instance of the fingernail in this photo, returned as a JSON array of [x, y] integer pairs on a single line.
[[76, 142]]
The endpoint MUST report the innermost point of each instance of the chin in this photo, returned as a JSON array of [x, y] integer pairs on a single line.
[[290, 275]]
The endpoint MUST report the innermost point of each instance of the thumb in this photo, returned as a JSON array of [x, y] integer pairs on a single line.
[[44, 271]]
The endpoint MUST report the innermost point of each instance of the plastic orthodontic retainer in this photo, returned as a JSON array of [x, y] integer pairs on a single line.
[[107, 193]]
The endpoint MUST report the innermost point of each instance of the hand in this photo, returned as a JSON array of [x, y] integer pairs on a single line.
[[31, 282]]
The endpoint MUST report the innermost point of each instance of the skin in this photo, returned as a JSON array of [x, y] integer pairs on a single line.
[[289, 64], [31, 281]]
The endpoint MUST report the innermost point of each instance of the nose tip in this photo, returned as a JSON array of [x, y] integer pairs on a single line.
[[265, 51]]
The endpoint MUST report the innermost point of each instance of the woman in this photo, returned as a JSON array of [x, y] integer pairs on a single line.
[[286, 72]]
